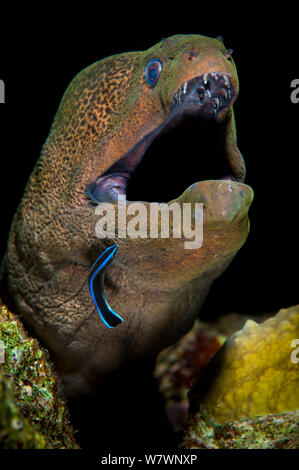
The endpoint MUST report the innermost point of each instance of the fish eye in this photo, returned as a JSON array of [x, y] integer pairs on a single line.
[[152, 72]]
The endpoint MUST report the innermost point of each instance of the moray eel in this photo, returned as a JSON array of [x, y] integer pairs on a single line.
[[110, 114]]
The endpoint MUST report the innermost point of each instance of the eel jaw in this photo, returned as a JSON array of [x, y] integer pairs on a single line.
[[208, 96]]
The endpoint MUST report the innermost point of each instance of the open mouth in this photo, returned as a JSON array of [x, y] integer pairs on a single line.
[[213, 92], [159, 167]]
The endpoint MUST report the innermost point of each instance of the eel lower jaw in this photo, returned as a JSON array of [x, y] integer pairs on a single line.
[[207, 97]]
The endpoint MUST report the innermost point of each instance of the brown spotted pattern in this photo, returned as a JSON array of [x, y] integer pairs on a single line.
[[88, 108]]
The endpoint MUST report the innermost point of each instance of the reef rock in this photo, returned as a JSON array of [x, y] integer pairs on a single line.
[[254, 373], [264, 432], [247, 396], [179, 365], [33, 414]]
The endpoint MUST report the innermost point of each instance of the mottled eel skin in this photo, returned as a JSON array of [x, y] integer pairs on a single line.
[[108, 116]]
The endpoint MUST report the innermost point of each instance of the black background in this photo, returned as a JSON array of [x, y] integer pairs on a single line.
[[44, 47]]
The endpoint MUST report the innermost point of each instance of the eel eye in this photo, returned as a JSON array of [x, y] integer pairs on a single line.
[[152, 72]]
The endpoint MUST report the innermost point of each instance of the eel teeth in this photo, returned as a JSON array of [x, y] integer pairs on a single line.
[[226, 81], [217, 102], [203, 89]]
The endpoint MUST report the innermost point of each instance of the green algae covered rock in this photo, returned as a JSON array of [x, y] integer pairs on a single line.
[[33, 415], [247, 396], [264, 432]]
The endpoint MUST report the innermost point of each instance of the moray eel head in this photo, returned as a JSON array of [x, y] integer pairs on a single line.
[[110, 117], [181, 78]]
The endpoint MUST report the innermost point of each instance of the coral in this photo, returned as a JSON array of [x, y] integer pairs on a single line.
[[247, 396], [244, 381], [178, 366], [253, 373], [33, 413]]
